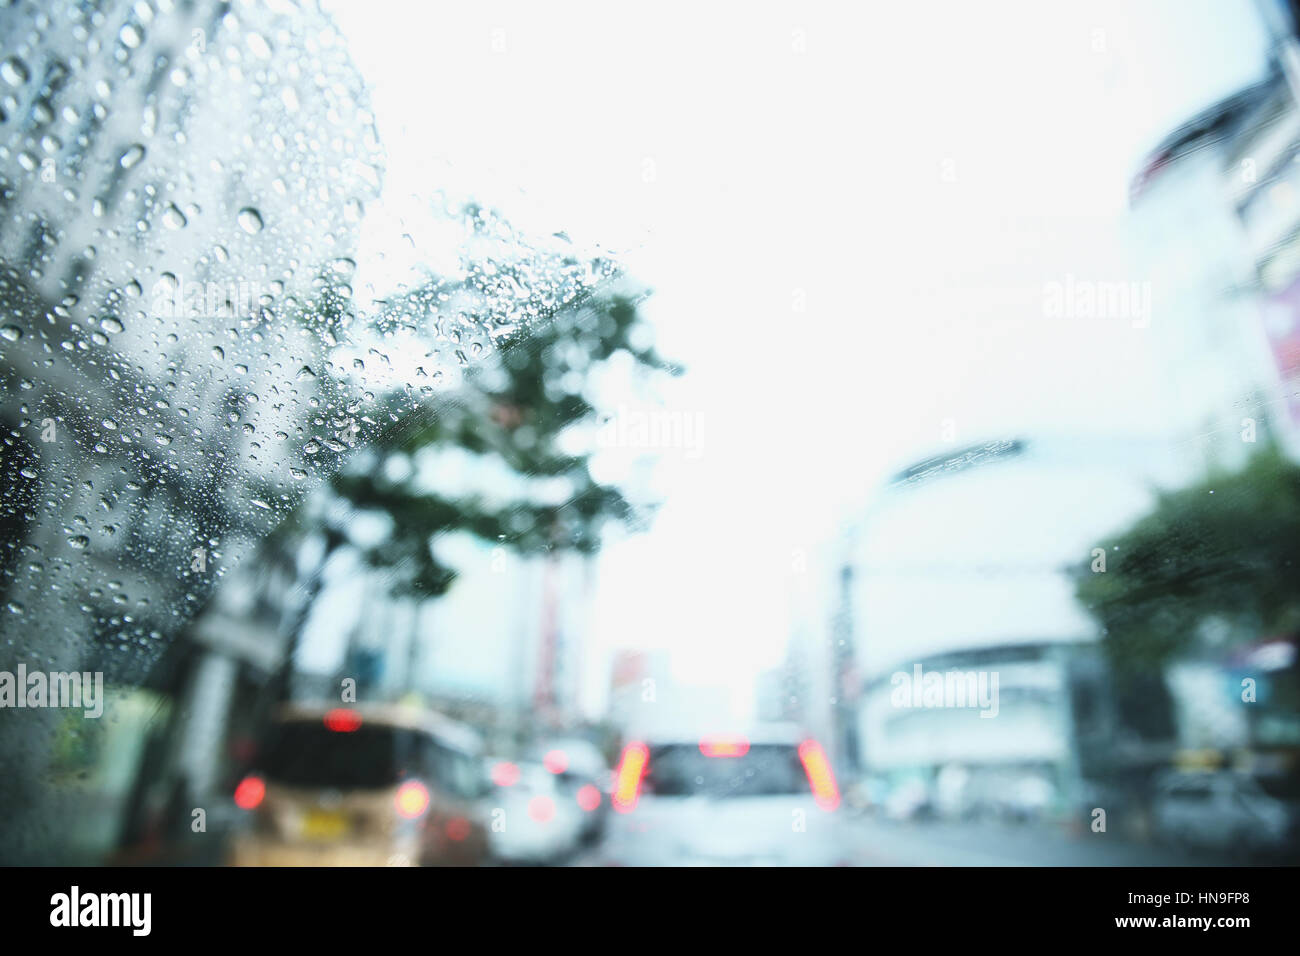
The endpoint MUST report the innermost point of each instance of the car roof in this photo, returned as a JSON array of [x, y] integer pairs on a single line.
[[449, 731]]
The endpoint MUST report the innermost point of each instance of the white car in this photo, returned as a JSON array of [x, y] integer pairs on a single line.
[[583, 777], [909, 799], [531, 820], [727, 801]]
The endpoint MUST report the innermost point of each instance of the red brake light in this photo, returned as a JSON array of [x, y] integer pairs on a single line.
[[342, 721], [820, 776], [505, 774], [627, 780], [250, 793], [556, 761], [412, 799], [457, 829], [588, 797], [541, 809], [724, 746]]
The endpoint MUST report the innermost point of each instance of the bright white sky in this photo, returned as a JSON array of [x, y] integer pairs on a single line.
[[802, 146]]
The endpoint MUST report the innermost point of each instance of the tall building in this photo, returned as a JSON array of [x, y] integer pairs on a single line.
[[1216, 228], [962, 564]]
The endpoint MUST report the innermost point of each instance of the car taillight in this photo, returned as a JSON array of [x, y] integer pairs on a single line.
[[412, 799], [724, 746], [627, 780], [505, 774], [588, 797], [820, 776], [556, 761], [458, 829], [342, 721], [250, 793], [541, 809]]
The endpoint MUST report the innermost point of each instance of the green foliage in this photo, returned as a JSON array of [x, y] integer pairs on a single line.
[[76, 745], [1225, 549], [513, 407]]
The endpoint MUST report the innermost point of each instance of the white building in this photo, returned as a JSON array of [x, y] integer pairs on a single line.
[[963, 563]]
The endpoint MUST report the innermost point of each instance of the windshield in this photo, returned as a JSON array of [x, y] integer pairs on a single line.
[[913, 384]]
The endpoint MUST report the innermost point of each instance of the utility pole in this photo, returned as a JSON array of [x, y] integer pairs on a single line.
[[844, 667]]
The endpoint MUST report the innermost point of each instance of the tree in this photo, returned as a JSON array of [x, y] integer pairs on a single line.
[[1226, 549], [514, 408], [524, 327]]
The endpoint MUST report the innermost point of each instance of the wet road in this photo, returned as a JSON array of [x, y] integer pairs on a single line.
[[933, 843], [878, 842]]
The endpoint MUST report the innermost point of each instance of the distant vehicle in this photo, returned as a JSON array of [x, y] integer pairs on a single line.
[[585, 779], [534, 819], [909, 799], [1230, 812], [1029, 798], [725, 800], [362, 787]]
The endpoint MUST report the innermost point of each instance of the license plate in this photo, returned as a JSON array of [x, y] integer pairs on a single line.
[[324, 825]]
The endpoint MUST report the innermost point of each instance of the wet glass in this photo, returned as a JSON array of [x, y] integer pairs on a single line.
[[890, 430]]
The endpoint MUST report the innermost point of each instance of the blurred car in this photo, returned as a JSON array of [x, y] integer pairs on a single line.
[[362, 787], [1029, 798], [585, 779], [725, 800], [534, 820], [1231, 812], [909, 799]]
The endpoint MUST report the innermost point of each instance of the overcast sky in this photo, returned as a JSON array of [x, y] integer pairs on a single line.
[[847, 212]]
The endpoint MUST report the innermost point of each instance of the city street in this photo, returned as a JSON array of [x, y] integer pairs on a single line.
[[888, 843], [878, 842]]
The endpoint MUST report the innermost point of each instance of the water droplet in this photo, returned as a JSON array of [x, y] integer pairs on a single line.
[[257, 43], [133, 155], [79, 541], [11, 333], [250, 220], [173, 218], [14, 71]]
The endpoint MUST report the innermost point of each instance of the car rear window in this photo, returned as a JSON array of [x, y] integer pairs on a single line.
[[681, 770], [303, 754]]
